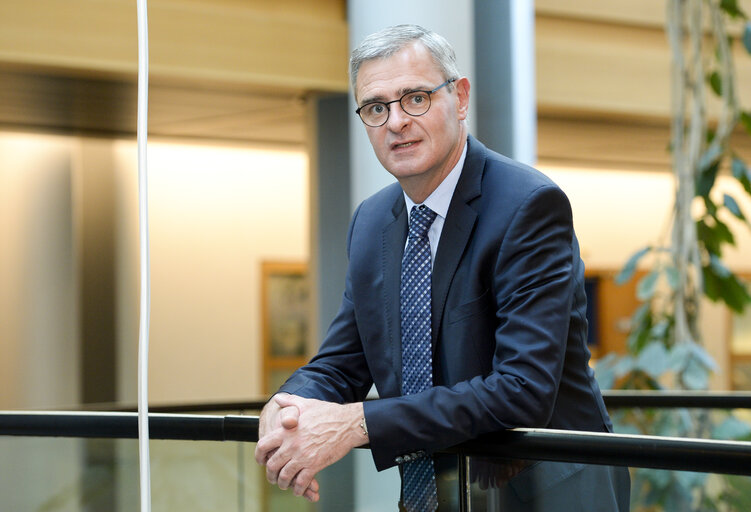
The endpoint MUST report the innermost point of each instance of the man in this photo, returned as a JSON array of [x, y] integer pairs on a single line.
[[472, 324]]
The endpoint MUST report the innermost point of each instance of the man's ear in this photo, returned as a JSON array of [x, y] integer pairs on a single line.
[[462, 94]]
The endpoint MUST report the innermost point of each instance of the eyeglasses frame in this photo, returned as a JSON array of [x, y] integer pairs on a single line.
[[387, 103]]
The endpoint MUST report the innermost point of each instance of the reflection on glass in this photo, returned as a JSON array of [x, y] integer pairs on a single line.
[[545, 486]]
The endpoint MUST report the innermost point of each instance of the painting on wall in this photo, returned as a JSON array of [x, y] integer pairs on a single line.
[[285, 304]]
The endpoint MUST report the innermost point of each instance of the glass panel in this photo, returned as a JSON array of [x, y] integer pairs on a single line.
[[72, 475], [543, 486]]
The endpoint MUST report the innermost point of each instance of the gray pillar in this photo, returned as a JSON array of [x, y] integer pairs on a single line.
[[504, 85], [330, 213], [330, 203], [95, 203]]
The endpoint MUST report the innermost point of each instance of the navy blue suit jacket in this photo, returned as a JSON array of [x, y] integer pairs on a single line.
[[508, 314]]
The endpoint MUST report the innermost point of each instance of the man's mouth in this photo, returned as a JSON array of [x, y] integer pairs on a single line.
[[404, 145]]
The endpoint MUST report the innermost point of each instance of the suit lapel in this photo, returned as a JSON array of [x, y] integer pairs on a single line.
[[460, 221], [394, 237]]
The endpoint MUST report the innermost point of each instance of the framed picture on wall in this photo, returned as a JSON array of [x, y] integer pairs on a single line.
[[285, 318]]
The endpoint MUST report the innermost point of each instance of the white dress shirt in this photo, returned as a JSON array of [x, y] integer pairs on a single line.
[[439, 201]]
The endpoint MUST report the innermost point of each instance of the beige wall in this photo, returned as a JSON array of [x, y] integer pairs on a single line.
[[38, 329], [215, 214], [617, 212]]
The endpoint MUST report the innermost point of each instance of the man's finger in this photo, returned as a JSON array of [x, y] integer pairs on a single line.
[[288, 474], [302, 482], [267, 446], [311, 493], [285, 400], [289, 417]]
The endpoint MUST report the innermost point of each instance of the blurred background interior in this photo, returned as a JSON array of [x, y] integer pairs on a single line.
[[235, 183], [254, 173]]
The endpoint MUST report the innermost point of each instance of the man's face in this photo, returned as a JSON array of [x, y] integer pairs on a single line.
[[420, 149]]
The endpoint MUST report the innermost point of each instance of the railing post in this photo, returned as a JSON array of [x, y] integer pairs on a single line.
[[465, 503]]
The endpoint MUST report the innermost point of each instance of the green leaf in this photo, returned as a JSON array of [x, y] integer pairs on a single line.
[[722, 231], [745, 119], [679, 357], [732, 9], [691, 479], [605, 376], [721, 284], [711, 207], [701, 354], [653, 360], [706, 178], [715, 82], [695, 375], [627, 272], [719, 268], [742, 173], [747, 36], [709, 135], [731, 428], [623, 366], [710, 157], [646, 287], [628, 430], [641, 322], [735, 294], [708, 236], [732, 205], [673, 277], [712, 284], [660, 331], [737, 496]]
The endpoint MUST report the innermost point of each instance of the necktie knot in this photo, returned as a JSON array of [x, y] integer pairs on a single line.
[[420, 220]]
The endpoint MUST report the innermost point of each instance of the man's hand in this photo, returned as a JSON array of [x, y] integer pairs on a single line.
[[323, 433], [274, 416]]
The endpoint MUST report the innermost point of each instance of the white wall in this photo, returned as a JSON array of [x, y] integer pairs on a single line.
[[38, 327], [215, 214], [617, 212]]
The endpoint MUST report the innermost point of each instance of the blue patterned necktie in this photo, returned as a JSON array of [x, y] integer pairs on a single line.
[[419, 488]]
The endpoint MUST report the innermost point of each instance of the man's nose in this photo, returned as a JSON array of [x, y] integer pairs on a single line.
[[398, 118]]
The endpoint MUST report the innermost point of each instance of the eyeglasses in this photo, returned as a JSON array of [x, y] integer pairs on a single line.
[[414, 103]]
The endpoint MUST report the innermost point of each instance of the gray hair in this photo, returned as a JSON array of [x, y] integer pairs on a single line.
[[387, 42]]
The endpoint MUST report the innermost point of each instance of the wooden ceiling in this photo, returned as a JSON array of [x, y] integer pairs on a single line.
[[36, 100], [239, 70]]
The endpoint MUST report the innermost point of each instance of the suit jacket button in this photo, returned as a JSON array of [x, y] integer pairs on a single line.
[[399, 460]]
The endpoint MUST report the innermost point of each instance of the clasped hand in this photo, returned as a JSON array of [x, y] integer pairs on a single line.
[[298, 437]]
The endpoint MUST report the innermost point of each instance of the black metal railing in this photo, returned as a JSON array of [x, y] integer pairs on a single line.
[[710, 456], [172, 422], [614, 399]]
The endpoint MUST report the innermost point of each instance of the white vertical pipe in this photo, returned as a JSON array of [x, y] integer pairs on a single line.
[[522, 75], [143, 223]]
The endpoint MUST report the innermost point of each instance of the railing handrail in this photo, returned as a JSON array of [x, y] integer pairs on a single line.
[[613, 399], [685, 399], [707, 456]]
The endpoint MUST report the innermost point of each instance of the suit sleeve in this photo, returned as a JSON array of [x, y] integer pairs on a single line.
[[532, 289], [338, 372]]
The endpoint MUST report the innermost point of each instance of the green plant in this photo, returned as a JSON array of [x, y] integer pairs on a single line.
[[665, 346]]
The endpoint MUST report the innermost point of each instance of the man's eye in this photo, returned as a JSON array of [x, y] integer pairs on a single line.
[[417, 98], [376, 108]]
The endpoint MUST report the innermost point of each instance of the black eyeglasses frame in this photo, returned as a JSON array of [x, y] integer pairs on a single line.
[[388, 109]]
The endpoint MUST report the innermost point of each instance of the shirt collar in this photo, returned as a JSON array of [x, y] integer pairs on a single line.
[[440, 200]]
